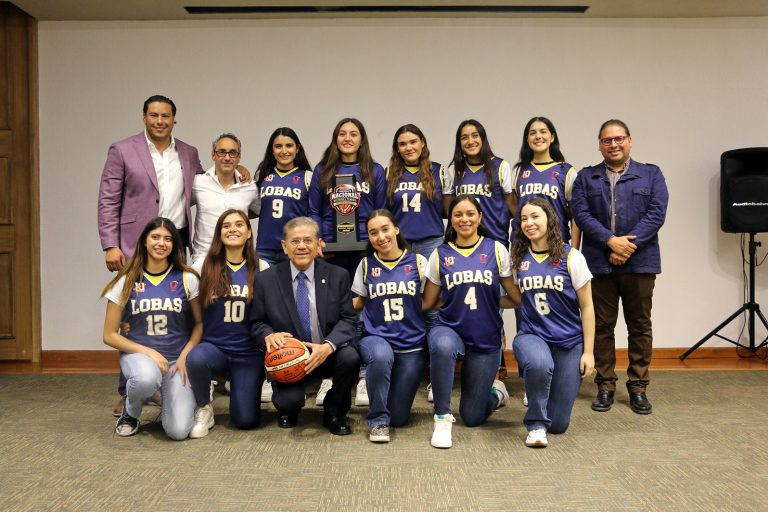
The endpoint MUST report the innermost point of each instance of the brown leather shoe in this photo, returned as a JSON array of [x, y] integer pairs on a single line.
[[119, 406]]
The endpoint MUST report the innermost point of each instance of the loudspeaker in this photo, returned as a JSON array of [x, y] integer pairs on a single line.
[[744, 190]]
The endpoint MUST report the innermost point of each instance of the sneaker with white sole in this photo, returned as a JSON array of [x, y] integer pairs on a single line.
[[537, 438], [525, 399], [266, 392], [441, 435], [430, 395], [379, 434], [501, 392], [361, 394], [325, 387], [126, 425], [203, 422]]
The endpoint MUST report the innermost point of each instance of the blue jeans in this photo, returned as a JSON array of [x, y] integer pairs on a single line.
[[392, 380], [478, 372], [552, 380], [143, 378], [425, 248], [272, 256], [246, 377]]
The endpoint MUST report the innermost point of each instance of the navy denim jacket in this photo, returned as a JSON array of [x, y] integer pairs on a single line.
[[641, 207]]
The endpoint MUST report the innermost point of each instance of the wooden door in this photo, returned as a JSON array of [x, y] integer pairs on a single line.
[[19, 211]]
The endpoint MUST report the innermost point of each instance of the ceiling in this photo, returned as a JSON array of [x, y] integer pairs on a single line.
[[58, 10]]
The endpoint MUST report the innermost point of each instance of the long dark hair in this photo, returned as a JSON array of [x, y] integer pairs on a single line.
[[522, 243], [397, 165], [450, 233], [216, 281], [269, 162], [134, 269], [401, 242], [486, 154], [526, 153], [331, 160]]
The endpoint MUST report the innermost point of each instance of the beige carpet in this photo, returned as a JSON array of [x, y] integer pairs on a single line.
[[703, 448]]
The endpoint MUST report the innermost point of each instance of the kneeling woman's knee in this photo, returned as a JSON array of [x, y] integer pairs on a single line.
[[177, 430], [558, 427]]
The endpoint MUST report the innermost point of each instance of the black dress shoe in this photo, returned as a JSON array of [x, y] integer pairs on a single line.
[[603, 401], [639, 402], [337, 426], [287, 420]]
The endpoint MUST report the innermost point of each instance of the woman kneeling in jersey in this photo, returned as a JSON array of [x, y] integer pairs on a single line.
[[553, 346], [388, 283], [465, 272], [227, 349], [155, 294]]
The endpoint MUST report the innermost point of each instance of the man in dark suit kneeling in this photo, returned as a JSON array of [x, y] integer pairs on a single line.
[[308, 299]]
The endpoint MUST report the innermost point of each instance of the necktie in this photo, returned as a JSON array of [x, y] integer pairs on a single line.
[[302, 305]]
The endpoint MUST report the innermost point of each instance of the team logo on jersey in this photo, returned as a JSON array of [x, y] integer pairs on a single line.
[[524, 265], [375, 272], [296, 179], [526, 174], [344, 199], [138, 287], [270, 177], [483, 258], [408, 268], [448, 261], [555, 174], [174, 285]]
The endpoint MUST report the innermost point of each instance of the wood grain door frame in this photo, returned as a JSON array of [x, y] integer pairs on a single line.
[[20, 315]]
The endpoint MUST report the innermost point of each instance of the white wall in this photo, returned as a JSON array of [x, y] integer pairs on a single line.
[[689, 90]]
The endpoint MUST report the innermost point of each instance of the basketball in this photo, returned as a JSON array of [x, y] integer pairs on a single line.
[[286, 364]]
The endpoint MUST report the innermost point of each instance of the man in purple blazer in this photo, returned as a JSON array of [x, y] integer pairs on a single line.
[[145, 176]]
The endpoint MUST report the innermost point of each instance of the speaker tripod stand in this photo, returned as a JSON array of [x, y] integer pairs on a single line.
[[751, 307]]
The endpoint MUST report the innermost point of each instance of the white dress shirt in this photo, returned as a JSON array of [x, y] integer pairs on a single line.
[[212, 200], [170, 182]]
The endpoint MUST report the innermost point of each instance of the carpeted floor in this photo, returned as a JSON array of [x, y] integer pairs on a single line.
[[703, 448]]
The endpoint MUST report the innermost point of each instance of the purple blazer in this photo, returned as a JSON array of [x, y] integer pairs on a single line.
[[129, 196]]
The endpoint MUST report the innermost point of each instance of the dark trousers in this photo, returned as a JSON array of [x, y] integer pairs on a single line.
[[342, 366], [635, 291]]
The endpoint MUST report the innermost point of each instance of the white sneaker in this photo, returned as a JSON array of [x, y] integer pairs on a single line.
[[525, 399], [203, 422], [430, 395], [361, 395], [325, 387], [266, 392], [441, 436], [501, 392], [537, 438]]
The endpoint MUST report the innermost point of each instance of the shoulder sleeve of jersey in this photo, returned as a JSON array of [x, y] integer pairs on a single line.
[[448, 177], [358, 283], [578, 269], [198, 264], [505, 177], [514, 180], [113, 294], [307, 178], [570, 177], [433, 268], [263, 265], [502, 259], [191, 285]]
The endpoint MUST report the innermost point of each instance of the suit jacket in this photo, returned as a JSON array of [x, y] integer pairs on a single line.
[[274, 306], [129, 196]]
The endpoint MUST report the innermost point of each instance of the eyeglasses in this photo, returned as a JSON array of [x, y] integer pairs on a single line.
[[233, 153], [295, 242], [607, 141]]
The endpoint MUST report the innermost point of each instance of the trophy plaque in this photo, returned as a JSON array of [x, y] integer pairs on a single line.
[[345, 199]]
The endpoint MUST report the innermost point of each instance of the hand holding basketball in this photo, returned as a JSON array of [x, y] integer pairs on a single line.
[[286, 363]]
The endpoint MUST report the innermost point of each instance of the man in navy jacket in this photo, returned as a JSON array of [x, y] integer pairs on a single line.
[[620, 205]]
